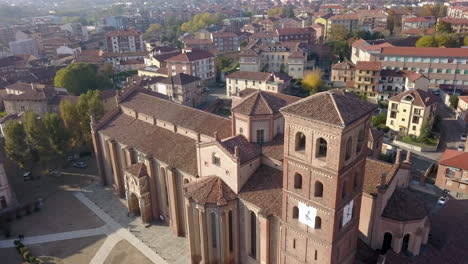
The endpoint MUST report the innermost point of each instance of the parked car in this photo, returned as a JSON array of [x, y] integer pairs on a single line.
[[27, 176], [461, 147], [55, 173], [79, 164], [71, 158], [442, 200], [463, 136]]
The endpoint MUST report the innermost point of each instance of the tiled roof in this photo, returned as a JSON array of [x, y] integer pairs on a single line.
[[455, 21], [413, 76], [118, 33], [346, 65], [275, 148], [405, 205], [165, 56], [463, 98], [10, 61], [377, 47], [247, 151], [35, 94], [180, 79], [171, 148], [223, 34], [191, 56], [138, 169], [255, 76], [209, 190], [415, 19], [368, 65], [291, 31], [264, 189], [345, 17], [373, 173], [421, 97], [180, 115], [425, 52], [419, 31], [359, 43], [453, 158], [263, 103], [334, 107]]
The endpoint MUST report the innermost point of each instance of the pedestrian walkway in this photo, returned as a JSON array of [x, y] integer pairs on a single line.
[[56, 237]]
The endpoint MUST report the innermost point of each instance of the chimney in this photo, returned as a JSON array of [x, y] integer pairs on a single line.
[[383, 182], [408, 158], [198, 137], [398, 157]]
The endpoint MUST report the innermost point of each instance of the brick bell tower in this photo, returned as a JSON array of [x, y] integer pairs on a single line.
[[325, 149]]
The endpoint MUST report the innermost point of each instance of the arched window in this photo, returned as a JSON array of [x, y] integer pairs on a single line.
[[231, 238], [349, 145], [322, 148], [253, 235], [215, 159], [213, 230], [318, 222], [297, 181], [295, 212], [360, 141], [343, 190], [300, 141], [318, 189]]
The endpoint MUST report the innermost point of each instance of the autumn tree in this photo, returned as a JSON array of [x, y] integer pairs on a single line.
[[200, 21], [16, 146], [276, 11], [313, 81], [152, 32], [338, 32]]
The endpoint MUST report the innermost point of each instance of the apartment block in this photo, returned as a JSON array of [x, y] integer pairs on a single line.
[[408, 111], [265, 81], [452, 174], [197, 63], [122, 41], [342, 73], [225, 41], [366, 79]]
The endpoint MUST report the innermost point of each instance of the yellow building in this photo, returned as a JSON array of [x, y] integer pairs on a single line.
[[325, 21], [366, 79], [408, 111]]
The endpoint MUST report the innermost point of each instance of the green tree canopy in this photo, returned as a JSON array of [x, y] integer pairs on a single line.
[[16, 147], [71, 121], [78, 78], [152, 32], [378, 120], [439, 40], [275, 11], [443, 27], [200, 21], [427, 41], [453, 100], [58, 136], [338, 32]]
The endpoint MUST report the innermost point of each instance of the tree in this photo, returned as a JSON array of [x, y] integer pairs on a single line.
[[453, 100], [391, 20], [338, 32], [200, 21], [447, 40], [443, 27], [425, 133], [89, 105], [378, 120], [427, 41], [16, 147], [465, 41], [340, 49], [37, 137], [71, 122], [313, 81], [152, 32], [224, 63], [58, 136], [78, 78], [276, 11]]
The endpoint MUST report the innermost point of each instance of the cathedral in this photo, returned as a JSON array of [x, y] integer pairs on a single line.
[[280, 181]]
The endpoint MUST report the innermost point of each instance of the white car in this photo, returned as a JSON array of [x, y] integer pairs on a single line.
[[463, 136], [442, 200], [461, 147]]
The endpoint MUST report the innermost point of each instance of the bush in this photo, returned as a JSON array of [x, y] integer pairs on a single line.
[[26, 255], [23, 249]]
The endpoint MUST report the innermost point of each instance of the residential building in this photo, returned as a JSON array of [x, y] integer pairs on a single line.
[[22, 97], [199, 44], [50, 46], [342, 73], [393, 82], [125, 61], [452, 174], [303, 35], [326, 22], [371, 19], [123, 41], [225, 41], [8, 67], [418, 22], [260, 187], [392, 215], [289, 57], [361, 50], [197, 63], [27, 46], [439, 65], [333, 8], [349, 21], [183, 89], [266, 37], [459, 25], [457, 11], [269, 24], [117, 22], [366, 79], [462, 110], [265, 81], [410, 110]]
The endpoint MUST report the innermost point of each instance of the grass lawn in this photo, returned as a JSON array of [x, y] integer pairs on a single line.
[[429, 142]]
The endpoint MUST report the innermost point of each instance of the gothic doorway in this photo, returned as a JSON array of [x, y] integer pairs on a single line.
[[134, 205], [387, 242], [405, 244]]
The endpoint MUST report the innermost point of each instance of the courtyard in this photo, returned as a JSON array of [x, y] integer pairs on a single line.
[[84, 222]]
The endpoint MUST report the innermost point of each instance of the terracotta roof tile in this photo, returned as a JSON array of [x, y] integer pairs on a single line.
[[174, 149], [346, 65], [183, 116], [118, 33], [373, 173], [453, 158], [375, 134], [415, 19], [421, 97], [264, 189], [247, 151], [426, 52], [275, 148], [263, 103], [209, 190], [368, 65], [180, 79], [405, 205], [335, 107], [138, 169], [255, 76], [191, 56]]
